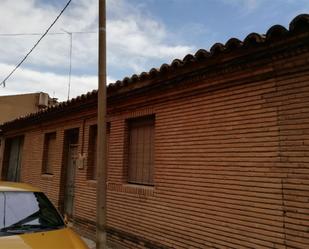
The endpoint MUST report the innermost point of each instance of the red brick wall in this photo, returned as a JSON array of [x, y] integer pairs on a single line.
[[213, 180], [293, 110], [231, 162]]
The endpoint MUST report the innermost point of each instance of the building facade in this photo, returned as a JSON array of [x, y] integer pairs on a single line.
[[211, 151]]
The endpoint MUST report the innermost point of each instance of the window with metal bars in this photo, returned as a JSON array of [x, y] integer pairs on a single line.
[[141, 150]]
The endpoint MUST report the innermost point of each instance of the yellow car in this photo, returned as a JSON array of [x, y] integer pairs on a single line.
[[28, 220]]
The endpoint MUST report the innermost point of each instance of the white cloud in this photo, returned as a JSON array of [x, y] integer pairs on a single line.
[[54, 84], [133, 42], [135, 38], [136, 41]]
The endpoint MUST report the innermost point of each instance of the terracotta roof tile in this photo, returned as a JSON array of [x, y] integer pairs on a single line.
[[299, 23], [153, 72], [202, 54], [253, 39], [276, 32], [217, 48]]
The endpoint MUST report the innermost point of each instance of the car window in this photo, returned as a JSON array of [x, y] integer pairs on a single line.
[[19, 206], [27, 211]]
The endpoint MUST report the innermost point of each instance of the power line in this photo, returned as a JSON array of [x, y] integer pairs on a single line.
[[28, 34], [55, 33], [18, 65]]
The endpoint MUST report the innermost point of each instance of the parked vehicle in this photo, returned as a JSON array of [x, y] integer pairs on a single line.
[[28, 220]]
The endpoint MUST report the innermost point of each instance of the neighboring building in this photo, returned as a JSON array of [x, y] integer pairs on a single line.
[[15, 106], [211, 151]]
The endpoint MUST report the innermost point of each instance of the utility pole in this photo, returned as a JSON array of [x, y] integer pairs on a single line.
[[101, 141]]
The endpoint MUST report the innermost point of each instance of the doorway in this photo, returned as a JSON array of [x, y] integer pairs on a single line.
[[12, 158], [67, 189]]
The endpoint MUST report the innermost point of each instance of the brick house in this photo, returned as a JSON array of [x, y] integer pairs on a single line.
[[211, 151]]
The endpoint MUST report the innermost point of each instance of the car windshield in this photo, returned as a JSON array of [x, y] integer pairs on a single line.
[[24, 212]]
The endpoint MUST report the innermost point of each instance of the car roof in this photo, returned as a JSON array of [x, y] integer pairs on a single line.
[[17, 186]]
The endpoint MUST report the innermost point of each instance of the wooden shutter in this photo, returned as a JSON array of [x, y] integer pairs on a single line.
[[141, 150]]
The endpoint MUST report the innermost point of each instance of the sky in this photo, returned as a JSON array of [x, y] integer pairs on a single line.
[[141, 34]]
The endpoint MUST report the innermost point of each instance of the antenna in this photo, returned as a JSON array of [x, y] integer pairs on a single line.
[[70, 60]]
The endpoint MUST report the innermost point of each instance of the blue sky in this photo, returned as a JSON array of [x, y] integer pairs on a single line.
[[204, 22], [141, 34]]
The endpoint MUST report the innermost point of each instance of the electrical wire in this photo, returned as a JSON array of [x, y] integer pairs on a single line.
[[35, 45], [55, 33], [29, 34]]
